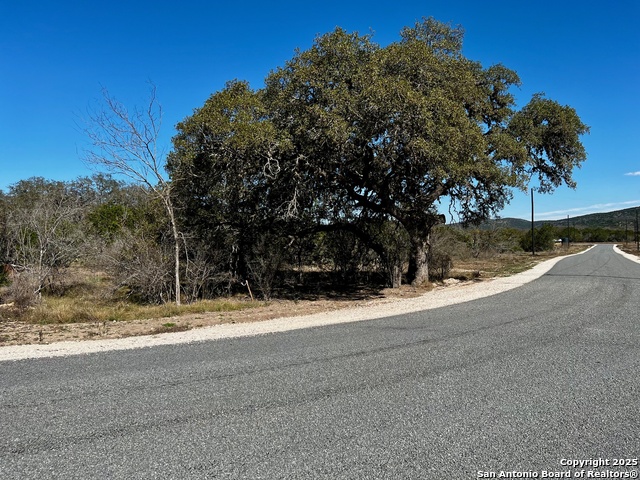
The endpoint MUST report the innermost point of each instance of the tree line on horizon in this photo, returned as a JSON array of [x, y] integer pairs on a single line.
[[338, 163]]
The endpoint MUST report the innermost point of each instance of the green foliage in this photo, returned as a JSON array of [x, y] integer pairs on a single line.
[[225, 159], [130, 208], [599, 234], [551, 134], [339, 163], [107, 220], [350, 135], [543, 239], [492, 241]]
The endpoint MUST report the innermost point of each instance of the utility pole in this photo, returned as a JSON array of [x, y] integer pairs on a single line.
[[568, 227], [637, 237], [533, 243], [626, 232]]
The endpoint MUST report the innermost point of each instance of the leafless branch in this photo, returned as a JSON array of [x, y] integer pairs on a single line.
[[126, 142]]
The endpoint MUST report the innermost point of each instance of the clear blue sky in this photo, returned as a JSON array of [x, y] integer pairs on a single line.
[[55, 56]]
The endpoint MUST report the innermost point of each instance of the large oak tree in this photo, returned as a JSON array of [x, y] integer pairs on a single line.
[[360, 131]]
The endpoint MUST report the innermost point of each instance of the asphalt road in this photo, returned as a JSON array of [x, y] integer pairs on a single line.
[[519, 382]]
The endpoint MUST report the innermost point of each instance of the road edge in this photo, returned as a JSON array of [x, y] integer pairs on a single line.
[[628, 256], [434, 299]]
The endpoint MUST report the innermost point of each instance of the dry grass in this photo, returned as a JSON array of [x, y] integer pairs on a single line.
[[87, 312], [630, 248], [87, 296], [505, 264], [61, 310]]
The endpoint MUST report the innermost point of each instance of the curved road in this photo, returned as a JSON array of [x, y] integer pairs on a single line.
[[519, 382]]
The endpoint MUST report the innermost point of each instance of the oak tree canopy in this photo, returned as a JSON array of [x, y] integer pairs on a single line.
[[351, 134]]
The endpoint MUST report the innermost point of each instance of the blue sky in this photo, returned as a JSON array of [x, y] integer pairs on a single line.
[[56, 56]]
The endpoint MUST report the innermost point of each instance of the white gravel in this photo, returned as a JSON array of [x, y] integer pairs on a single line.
[[439, 297], [633, 258]]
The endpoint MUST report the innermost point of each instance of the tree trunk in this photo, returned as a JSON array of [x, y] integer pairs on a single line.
[[395, 275], [418, 260], [177, 267], [176, 245]]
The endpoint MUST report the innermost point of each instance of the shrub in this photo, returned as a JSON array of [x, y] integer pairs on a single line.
[[543, 239], [23, 291]]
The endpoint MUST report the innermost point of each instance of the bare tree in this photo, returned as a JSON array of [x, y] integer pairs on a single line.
[[43, 232], [126, 142]]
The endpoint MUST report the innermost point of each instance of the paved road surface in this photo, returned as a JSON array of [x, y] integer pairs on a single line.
[[514, 382]]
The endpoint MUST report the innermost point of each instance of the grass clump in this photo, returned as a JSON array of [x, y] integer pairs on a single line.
[[61, 310]]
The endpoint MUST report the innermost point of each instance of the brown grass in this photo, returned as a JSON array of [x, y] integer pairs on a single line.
[[85, 312], [505, 264], [62, 310]]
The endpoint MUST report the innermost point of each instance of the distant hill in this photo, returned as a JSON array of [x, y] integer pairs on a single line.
[[618, 219], [508, 223]]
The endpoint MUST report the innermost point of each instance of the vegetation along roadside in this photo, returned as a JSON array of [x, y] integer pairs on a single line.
[[86, 315], [325, 186]]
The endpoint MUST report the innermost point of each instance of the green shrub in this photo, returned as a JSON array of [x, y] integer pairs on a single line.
[[543, 239]]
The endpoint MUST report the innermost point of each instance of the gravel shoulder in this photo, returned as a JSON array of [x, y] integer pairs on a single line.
[[628, 256], [245, 324]]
